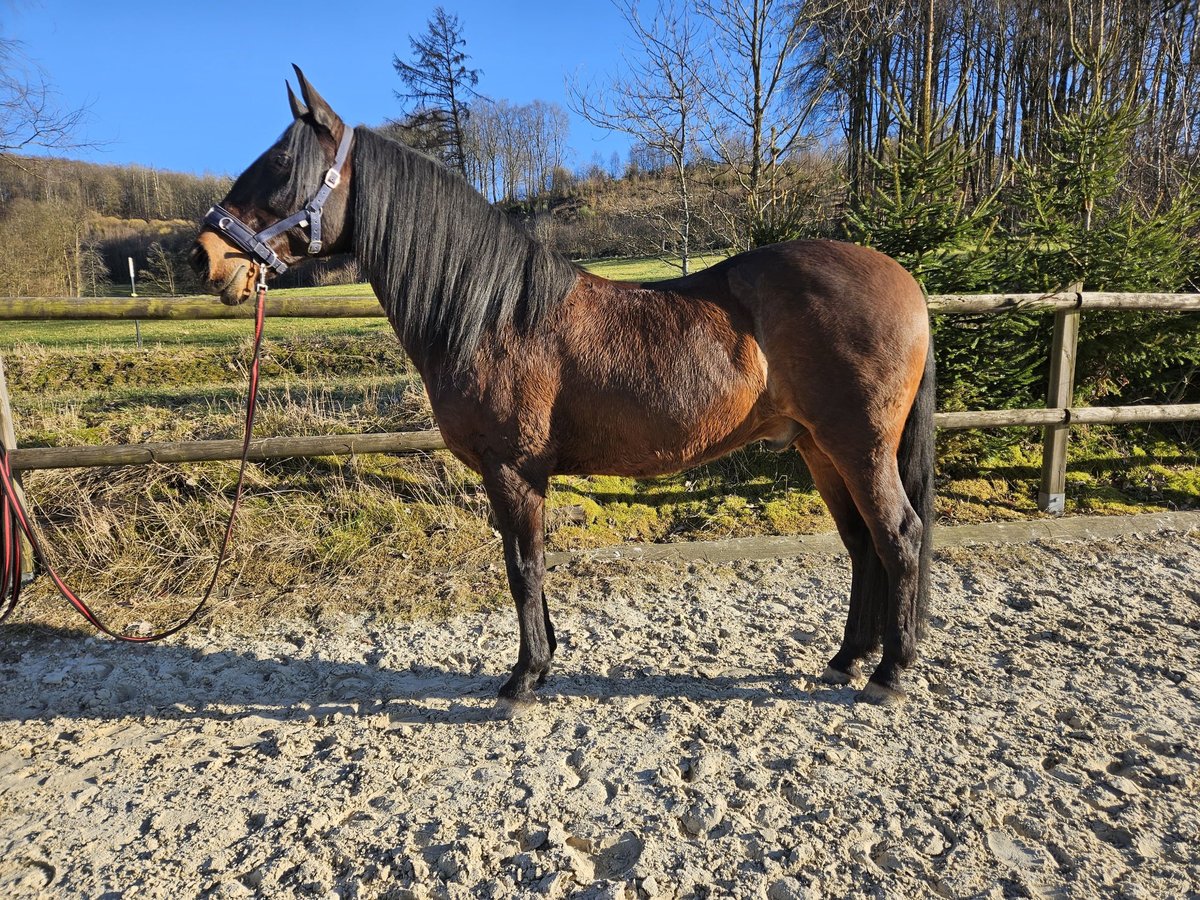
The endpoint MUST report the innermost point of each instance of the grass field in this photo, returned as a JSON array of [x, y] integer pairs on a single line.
[[84, 335], [647, 268], [334, 530]]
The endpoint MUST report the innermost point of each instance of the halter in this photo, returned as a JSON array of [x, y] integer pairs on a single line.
[[255, 243]]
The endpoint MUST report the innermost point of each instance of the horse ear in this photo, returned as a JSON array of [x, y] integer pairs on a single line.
[[298, 108], [322, 112]]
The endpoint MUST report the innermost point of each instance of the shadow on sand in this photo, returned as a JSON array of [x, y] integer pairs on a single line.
[[50, 673]]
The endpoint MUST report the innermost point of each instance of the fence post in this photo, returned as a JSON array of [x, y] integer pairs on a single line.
[[1053, 493], [8, 437]]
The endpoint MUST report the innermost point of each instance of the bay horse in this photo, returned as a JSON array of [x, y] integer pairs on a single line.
[[536, 368]]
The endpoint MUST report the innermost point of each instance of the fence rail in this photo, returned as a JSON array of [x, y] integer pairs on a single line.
[[1056, 418], [180, 308], [401, 442], [359, 307]]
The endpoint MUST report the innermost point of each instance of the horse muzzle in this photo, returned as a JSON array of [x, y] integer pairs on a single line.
[[239, 287], [224, 271]]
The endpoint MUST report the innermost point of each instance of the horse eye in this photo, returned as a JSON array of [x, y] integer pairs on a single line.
[[281, 161]]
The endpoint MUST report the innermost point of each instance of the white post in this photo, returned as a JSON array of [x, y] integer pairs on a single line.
[[137, 325]]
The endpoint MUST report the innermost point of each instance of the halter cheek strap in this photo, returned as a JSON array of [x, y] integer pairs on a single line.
[[255, 242]]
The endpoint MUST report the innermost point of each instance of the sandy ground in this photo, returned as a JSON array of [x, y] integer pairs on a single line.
[[682, 747]]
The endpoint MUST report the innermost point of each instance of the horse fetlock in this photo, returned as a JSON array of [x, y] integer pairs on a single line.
[[884, 685], [848, 657], [900, 647]]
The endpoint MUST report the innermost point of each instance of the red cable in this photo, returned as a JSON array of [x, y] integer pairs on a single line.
[[16, 520]]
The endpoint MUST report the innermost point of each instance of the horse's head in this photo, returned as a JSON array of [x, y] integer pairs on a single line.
[[292, 202]]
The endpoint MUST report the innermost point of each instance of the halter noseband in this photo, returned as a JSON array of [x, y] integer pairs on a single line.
[[255, 243]]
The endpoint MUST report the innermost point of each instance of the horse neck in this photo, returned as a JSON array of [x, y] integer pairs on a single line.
[[448, 268]]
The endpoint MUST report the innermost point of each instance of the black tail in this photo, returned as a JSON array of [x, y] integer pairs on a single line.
[[916, 460]]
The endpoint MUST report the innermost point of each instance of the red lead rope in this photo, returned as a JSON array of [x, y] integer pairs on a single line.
[[16, 520]]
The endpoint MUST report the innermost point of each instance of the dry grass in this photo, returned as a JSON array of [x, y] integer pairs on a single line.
[[406, 536], [386, 536]]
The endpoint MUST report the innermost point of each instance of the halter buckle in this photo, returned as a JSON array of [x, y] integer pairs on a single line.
[[333, 178]]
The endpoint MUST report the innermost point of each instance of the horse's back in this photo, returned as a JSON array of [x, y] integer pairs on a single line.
[[642, 379], [826, 277]]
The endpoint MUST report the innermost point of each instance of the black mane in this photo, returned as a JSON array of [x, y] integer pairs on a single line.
[[446, 264]]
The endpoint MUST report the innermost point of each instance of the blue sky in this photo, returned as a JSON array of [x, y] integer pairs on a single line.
[[197, 86]]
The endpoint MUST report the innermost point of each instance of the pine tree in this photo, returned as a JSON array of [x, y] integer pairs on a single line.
[[919, 210], [439, 86], [1075, 218]]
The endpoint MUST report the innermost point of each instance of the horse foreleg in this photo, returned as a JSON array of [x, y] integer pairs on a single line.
[[518, 502]]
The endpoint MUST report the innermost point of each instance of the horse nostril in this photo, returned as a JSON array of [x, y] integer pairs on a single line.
[[199, 260]]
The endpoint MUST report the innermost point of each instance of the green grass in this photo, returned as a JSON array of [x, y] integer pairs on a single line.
[[96, 335], [332, 290], [82, 335], [102, 335], [646, 268]]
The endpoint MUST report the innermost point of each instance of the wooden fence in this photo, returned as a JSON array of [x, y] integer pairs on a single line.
[[1055, 418]]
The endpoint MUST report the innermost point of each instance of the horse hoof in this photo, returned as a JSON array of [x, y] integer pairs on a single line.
[[880, 695], [837, 676], [514, 707]]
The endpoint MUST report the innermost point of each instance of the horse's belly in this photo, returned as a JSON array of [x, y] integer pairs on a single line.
[[655, 409], [615, 437]]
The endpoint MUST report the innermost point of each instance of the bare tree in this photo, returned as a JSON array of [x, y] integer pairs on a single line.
[[440, 86], [160, 269], [754, 123], [547, 130], [43, 242], [512, 150], [1000, 74], [656, 98], [30, 115], [93, 273]]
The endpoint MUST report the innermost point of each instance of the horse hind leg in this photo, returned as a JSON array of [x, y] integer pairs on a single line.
[[551, 640], [868, 585], [897, 534]]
